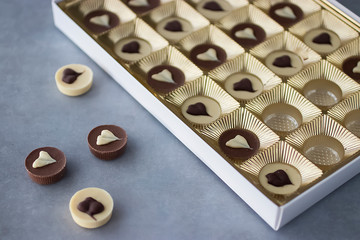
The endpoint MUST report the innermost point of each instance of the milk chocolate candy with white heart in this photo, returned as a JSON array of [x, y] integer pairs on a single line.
[[248, 35], [142, 6], [208, 56], [74, 79], [107, 142], [91, 207], [99, 21], [286, 14], [165, 78], [351, 66], [46, 165], [239, 143]]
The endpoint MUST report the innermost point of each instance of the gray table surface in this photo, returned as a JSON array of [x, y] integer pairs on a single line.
[[160, 189]]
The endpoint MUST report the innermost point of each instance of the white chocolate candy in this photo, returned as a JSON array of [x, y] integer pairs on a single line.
[[213, 110], [138, 3], [187, 28], [246, 33], [102, 20], [106, 137], [163, 76], [44, 159], [145, 49], [82, 218], [209, 55], [357, 68], [238, 142], [285, 12], [82, 84]]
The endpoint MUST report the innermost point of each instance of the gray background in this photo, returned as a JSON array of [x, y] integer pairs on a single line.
[[161, 190]]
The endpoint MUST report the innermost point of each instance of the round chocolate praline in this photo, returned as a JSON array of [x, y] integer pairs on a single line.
[[239, 153], [95, 28], [111, 150], [208, 65], [286, 22], [142, 9], [348, 66], [259, 33], [166, 87], [50, 173]]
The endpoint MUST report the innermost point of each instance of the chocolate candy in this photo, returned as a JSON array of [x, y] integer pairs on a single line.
[[174, 28], [208, 56], [214, 9], [284, 63], [132, 49], [46, 165], [286, 14], [351, 66], [99, 21], [197, 109], [142, 6], [239, 143], [165, 78], [248, 35], [107, 142], [91, 207], [322, 40], [201, 109], [74, 79]]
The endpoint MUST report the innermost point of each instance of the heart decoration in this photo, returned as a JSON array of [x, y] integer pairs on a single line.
[[43, 160], [238, 142], [323, 38], [91, 207], [70, 76], [246, 33], [282, 62], [139, 3], [174, 26], [244, 85], [209, 55], [163, 76], [103, 20], [213, 6], [106, 137], [285, 12], [357, 68], [197, 109], [131, 47], [278, 178]]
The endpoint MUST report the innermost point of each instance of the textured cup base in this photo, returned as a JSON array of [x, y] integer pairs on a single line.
[[47, 180], [107, 156]]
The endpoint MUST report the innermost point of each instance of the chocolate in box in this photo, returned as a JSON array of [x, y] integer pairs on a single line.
[[264, 146]]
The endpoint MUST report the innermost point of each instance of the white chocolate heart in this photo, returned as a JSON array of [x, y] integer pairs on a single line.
[[163, 76], [44, 159], [138, 3], [106, 137], [246, 33], [357, 68], [238, 142], [209, 55], [285, 12], [102, 20]]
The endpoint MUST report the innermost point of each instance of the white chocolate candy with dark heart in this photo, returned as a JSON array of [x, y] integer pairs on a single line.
[[201, 110], [132, 49], [174, 28], [214, 9], [280, 178], [322, 41], [243, 86], [284, 63], [74, 79], [91, 207]]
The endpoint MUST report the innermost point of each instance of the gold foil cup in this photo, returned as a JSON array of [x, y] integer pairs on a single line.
[[247, 64], [142, 13], [324, 20], [324, 84], [135, 29], [287, 42], [212, 35], [349, 50], [324, 141], [307, 6], [281, 152], [348, 113], [240, 119], [283, 109], [205, 87], [166, 56], [80, 9], [250, 14], [179, 9]]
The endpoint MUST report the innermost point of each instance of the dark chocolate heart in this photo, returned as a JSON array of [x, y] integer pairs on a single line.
[[213, 6], [197, 109], [174, 26], [131, 47], [278, 178], [323, 38], [70, 76], [244, 85], [91, 207], [283, 61]]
